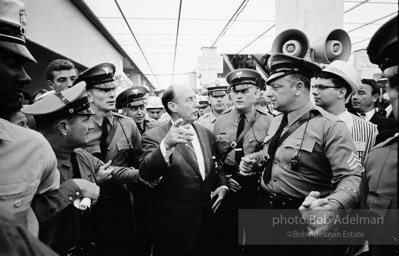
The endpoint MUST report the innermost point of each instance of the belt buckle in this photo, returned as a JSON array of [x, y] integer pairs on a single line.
[[233, 144]]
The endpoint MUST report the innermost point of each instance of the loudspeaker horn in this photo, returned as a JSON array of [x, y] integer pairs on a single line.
[[291, 42], [336, 45]]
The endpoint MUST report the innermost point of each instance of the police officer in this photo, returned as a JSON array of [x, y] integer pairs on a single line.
[[64, 120], [114, 137], [132, 102], [26, 157], [379, 187], [306, 149], [239, 131], [218, 98]]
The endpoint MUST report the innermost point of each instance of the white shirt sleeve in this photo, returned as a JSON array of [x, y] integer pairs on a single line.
[[166, 153]]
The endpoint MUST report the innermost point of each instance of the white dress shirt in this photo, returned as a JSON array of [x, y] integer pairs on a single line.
[[197, 148]]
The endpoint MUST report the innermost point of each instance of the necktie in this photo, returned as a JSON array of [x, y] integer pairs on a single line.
[[75, 166], [104, 135], [273, 148], [363, 116], [191, 152], [240, 128]]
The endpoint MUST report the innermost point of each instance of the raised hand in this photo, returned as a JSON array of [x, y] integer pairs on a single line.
[[177, 134]]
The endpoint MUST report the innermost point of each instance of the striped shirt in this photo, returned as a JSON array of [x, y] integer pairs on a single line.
[[363, 133]]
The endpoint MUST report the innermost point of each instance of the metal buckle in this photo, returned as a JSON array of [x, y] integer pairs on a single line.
[[233, 144]]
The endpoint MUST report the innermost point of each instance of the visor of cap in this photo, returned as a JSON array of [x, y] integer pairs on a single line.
[[67, 102], [138, 102], [277, 75], [217, 93], [18, 49], [241, 87], [107, 85], [86, 112]]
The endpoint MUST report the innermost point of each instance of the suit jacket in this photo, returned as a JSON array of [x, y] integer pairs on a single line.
[[383, 123], [386, 126], [182, 198]]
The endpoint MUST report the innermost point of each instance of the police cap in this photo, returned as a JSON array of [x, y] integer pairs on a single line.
[[281, 65], [217, 90], [72, 101], [13, 28], [100, 76], [133, 96], [203, 101], [242, 79], [383, 46]]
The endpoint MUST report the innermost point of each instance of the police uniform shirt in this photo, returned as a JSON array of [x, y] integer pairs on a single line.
[[225, 131], [207, 120], [328, 159], [120, 142], [28, 167], [148, 124]]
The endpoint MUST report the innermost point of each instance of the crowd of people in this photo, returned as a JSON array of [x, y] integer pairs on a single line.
[[85, 171]]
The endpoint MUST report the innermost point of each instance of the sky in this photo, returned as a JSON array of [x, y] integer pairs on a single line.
[[151, 39]]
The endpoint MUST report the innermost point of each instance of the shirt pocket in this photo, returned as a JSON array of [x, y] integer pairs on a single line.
[[122, 145], [17, 197], [295, 145]]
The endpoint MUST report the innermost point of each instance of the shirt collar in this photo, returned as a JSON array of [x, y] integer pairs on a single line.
[[370, 114], [346, 118], [4, 135], [248, 115], [99, 120], [294, 115]]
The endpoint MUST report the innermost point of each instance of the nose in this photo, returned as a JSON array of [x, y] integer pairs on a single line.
[[69, 83], [315, 91], [355, 96], [112, 93], [91, 126], [23, 77]]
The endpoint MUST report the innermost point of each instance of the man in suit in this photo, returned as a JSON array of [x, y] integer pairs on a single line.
[[365, 101], [331, 89], [180, 153]]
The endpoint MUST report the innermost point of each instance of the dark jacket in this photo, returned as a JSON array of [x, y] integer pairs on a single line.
[[182, 197]]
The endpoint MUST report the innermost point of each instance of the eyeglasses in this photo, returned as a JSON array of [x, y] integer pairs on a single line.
[[321, 87], [390, 72]]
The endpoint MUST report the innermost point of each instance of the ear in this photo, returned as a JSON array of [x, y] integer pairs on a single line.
[[90, 96], [375, 97], [342, 92], [124, 111], [172, 106], [299, 88], [50, 84], [62, 127]]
